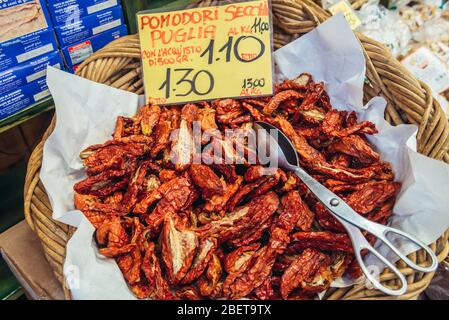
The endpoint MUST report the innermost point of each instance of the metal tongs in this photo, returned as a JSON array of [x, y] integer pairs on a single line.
[[287, 158]]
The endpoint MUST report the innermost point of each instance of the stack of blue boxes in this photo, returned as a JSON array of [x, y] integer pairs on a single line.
[[60, 33], [27, 46], [85, 26]]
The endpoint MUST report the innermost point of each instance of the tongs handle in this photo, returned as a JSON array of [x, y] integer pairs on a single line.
[[360, 244], [352, 221]]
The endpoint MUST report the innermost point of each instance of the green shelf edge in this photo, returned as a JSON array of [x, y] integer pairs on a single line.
[[16, 294], [26, 114], [9, 285]]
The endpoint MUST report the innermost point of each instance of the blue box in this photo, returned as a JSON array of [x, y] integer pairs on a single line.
[[27, 72], [26, 32], [19, 99], [77, 53], [66, 11], [89, 26]]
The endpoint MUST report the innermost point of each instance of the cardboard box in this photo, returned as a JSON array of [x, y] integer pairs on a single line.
[[19, 99], [22, 250], [89, 26], [27, 72], [67, 11], [77, 53], [26, 32]]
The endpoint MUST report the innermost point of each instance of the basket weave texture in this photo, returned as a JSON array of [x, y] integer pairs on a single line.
[[409, 101]]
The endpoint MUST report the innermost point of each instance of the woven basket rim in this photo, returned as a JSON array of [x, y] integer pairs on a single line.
[[115, 65]]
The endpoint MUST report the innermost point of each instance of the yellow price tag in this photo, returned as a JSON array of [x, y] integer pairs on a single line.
[[207, 53], [349, 14]]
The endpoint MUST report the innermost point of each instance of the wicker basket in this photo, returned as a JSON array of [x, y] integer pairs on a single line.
[[409, 101]]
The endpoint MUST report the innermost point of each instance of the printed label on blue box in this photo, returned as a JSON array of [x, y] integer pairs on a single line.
[[26, 31], [80, 52], [69, 11], [77, 53], [28, 72], [17, 100], [89, 26]]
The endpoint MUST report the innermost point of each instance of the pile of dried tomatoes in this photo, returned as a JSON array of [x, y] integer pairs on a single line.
[[187, 230]]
